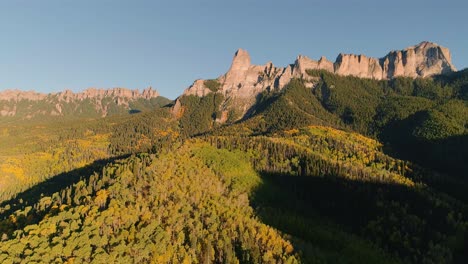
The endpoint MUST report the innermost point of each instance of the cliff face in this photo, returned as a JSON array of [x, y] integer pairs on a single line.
[[422, 60], [303, 63], [244, 81], [100, 100], [359, 66]]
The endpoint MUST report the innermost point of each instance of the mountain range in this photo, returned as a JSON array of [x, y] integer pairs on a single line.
[[241, 84]]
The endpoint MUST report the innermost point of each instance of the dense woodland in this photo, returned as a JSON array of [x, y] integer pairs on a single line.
[[349, 171]]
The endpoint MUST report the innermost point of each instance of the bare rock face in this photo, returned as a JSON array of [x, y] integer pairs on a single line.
[[422, 60], [358, 65], [239, 68], [198, 88], [303, 63]]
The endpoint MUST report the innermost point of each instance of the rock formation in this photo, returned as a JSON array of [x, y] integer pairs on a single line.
[[244, 81], [422, 60], [359, 66], [303, 63], [198, 88]]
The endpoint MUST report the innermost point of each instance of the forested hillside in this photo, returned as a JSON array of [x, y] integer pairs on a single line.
[[31, 152], [349, 170]]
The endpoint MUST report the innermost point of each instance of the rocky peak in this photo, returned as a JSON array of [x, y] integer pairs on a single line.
[[421, 60], [431, 50], [240, 65], [241, 60]]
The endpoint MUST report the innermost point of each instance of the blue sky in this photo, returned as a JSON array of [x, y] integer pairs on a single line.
[[49, 46]]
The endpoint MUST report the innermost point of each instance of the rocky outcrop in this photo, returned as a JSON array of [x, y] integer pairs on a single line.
[[240, 68], [303, 63], [359, 66], [422, 60], [149, 93], [244, 81], [198, 88]]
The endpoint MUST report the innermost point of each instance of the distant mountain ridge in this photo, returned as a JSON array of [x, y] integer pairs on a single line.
[[90, 102], [16, 95]]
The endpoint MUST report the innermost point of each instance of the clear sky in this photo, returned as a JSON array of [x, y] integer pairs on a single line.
[[49, 46]]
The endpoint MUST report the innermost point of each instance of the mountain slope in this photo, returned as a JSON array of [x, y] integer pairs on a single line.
[[418, 119]]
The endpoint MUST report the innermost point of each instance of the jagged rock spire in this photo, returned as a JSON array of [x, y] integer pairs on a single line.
[[240, 65]]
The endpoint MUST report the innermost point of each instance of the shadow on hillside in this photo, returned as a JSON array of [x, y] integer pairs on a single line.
[[31, 196], [262, 101], [134, 111], [348, 202], [447, 156], [331, 218]]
